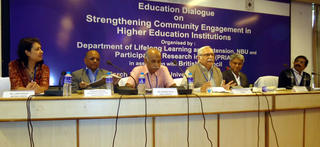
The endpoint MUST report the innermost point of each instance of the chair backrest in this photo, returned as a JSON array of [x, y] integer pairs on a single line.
[[266, 81], [4, 84]]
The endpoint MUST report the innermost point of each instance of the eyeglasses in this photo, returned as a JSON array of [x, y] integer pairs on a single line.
[[207, 55]]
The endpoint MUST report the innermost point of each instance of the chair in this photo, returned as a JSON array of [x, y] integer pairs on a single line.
[[5, 84], [266, 81]]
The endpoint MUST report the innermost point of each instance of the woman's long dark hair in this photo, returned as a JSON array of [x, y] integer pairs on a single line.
[[26, 44]]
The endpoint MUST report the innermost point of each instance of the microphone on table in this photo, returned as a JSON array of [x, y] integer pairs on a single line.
[[56, 90], [61, 78], [182, 90], [121, 70], [124, 89]]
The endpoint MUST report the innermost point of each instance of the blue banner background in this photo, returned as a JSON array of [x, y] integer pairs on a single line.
[[61, 24]]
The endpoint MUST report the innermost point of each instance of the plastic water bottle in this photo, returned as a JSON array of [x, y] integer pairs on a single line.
[[312, 81], [67, 84], [190, 80], [109, 82], [142, 84]]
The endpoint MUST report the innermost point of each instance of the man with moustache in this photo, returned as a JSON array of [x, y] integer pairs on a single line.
[[156, 75], [205, 74], [234, 74], [295, 76]]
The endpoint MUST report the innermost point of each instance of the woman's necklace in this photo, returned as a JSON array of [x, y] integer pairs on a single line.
[[31, 73]]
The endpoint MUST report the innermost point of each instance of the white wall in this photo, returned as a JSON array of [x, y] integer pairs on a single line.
[[260, 6], [301, 32], [0, 42]]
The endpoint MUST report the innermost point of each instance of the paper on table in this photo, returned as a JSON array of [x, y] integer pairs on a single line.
[[102, 81]]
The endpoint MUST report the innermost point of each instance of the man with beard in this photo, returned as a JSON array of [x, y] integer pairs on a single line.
[[295, 76], [156, 75], [205, 74]]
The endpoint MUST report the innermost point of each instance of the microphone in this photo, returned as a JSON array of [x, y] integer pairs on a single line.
[[121, 70], [56, 90], [180, 91], [176, 64], [125, 90], [61, 77], [314, 73]]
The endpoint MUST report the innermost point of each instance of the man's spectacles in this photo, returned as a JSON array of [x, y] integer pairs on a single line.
[[207, 55]]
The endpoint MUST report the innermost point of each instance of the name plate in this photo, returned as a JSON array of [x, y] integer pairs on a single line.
[[241, 91], [299, 89], [164, 91], [17, 93], [97, 92]]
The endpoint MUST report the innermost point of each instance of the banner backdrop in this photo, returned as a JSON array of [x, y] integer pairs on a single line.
[[122, 30]]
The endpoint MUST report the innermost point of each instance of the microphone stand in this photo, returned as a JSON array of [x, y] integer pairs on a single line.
[[56, 90], [61, 78], [188, 91], [121, 70], [125, 90]]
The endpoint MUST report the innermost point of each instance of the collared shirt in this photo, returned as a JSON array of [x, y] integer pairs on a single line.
[[209, 76], [237, 78], [298, 77], [160, 79], [92, 75]]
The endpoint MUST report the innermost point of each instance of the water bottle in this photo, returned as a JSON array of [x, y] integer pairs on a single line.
[[312, 81], [109, 82], [67, 84], [190, 80], [142, 84]]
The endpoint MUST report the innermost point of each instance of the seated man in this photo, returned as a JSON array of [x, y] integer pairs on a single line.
[[157, 75], [234, 74], [82, 78], [205, 74], [295, 76]]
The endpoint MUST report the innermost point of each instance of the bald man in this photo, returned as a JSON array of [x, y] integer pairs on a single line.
[[157, 75], [82, 78]]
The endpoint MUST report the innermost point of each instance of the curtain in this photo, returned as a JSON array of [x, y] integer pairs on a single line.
[[316, 44]]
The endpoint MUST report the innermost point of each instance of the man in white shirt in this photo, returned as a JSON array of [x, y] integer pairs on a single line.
[[234, 74], [295, 76]]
